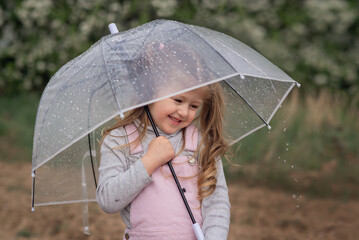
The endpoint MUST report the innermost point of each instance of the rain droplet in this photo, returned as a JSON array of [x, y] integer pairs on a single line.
[[292, 166], [284, 129], [298, 206], [294, 196], [285, 161], [286, 149]]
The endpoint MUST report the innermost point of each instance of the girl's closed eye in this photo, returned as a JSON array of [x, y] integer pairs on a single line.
[[177, 100]]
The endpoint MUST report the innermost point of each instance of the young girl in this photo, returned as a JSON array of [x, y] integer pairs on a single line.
[[135, 180]]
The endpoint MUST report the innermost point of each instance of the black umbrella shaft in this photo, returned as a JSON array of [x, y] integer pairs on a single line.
[[180, 189]]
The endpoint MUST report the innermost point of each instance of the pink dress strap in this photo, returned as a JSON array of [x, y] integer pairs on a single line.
[[132, 135]]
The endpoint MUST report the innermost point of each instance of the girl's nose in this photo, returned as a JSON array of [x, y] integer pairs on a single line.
[[183, 110]]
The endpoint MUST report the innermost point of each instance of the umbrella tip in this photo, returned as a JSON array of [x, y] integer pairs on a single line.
[[32, 209], [241, 76], [113, 28], [298, 84], [269, 127]]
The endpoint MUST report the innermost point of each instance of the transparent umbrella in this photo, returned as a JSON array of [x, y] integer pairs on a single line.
[[132, 69]]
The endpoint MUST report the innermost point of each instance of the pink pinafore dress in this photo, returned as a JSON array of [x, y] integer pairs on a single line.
[[158, 212]]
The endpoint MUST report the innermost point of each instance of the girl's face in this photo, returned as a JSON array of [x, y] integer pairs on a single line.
[[177, 112]]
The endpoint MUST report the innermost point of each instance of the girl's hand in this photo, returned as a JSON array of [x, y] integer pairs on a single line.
[[159, 152]]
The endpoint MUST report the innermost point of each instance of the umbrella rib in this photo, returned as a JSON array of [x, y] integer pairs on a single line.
[[233, 69], [245, 59], [92, 161], [65, 202], [258, 69], [109, 79], [230, 85], [281, 101], [48, 107]]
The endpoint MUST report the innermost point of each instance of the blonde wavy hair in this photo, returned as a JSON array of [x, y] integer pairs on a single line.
[[209, 120]]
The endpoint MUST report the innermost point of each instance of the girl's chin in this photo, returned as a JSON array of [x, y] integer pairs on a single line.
[[170, 129]]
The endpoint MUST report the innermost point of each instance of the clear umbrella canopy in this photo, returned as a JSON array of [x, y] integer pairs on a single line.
[[134, 68]]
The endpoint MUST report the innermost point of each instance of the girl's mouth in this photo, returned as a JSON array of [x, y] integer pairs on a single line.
[[175, 120]]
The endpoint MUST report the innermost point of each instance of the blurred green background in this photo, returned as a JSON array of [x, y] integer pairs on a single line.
[[313, 145]]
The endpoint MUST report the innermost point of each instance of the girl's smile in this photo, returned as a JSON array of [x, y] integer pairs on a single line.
[[177, 112]]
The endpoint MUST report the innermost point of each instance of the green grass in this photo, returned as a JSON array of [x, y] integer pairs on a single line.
[[17, 121], [312, 148], [24, 233]]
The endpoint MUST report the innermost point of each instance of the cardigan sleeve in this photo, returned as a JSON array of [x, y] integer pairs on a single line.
[[216, 209], [120, 180]]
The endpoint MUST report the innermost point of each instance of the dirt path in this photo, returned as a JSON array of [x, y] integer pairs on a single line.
[[257, 214]]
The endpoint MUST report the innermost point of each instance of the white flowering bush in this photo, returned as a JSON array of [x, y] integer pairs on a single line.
[[314, 41], [37, 37]]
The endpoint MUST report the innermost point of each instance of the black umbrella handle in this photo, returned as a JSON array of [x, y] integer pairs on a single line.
[[180, 189]]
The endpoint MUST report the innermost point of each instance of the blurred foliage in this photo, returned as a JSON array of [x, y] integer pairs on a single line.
[[17, 121], [312, 148], [315, 41]]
